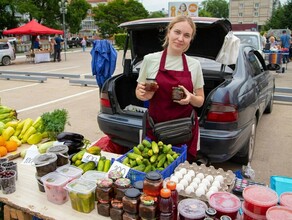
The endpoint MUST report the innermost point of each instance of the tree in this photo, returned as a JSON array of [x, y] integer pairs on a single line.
[[157, 14], [217, 8], [109, 16], [7, 15], [77, 11]]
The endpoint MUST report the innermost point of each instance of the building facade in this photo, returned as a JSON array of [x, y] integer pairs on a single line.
[[251, 11]]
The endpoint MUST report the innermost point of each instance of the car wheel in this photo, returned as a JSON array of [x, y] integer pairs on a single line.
[[269, 107], [246, 154], [6, 61]]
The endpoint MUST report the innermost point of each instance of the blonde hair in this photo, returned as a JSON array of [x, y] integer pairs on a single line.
[[177, 19]]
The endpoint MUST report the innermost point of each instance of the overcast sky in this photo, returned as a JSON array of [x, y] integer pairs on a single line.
[[157, 5]]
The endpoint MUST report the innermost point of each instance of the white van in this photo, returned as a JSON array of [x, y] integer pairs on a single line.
[[253, 38]]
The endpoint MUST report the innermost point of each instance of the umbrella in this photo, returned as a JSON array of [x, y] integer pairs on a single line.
[[32, 28], [103, 63]]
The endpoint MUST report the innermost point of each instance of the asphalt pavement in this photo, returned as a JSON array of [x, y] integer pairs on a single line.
[[31, 98]]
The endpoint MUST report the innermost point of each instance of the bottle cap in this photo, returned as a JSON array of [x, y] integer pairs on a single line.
[[165, 193], [153, 175], [132, 193], [171, 185]]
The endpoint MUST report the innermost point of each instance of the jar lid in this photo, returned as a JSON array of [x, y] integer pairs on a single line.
[[153, 175], [123, 182], [139, 185], [211, 211], [104, 183], [44, 159], [58, 149], [114, 174], [165, 193], [147, 200], [132, 193], [171, 185], [225, 217]]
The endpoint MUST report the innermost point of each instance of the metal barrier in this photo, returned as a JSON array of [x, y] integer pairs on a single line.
[[58, 75], [282, 97]]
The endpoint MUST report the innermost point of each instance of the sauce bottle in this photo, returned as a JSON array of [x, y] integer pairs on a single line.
[[174, 195], [165, 205]]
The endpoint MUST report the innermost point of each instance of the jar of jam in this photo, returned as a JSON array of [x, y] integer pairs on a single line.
[[152, 184], [147, 207], [114, 175], [177, 93], [120, 186], [116, 214], [130, 216], [131, 200], [104, 190], [103, 209]]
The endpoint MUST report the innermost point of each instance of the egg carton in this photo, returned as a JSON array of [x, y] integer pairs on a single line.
[[186, 174]]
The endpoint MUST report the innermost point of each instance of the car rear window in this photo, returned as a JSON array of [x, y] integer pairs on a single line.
[[4, 46]]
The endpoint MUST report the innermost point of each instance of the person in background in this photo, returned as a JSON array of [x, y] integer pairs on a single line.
[[57, 48], [273, 43], [264, 39], [172, 68], [285, 43], [52, 46], [36, 43], [83, 44]]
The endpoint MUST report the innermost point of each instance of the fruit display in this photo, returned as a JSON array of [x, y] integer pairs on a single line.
[[7, 114], [150, 156], [103, 164]]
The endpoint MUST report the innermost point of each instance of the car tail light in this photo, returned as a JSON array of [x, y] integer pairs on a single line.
[[104, 100], [222, 113]]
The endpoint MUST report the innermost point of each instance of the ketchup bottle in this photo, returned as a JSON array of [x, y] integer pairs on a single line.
[[165, 205], [174, 195]]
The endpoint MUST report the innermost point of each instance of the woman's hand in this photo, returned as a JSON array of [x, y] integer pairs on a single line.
[[195, 100], [141, 92], [187, 97]]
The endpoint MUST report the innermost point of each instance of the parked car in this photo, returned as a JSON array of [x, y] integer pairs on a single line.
[[253, 38], [236, 95], [76, 42], [7, 53]]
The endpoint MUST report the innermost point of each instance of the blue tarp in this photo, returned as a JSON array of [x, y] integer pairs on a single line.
[[103, 63]]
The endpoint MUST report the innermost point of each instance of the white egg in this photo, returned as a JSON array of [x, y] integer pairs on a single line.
[[183, 171], [213, 188], [188, 178], [178, 175], [194, 185], [200, 191], [179, 187], [220, 178], [191, 173], [200, 175], [174, 179], [209, 193], [202, 185], [210, 178], [184, 182], [189, 190], [216, 183], [206, 182], [197, 180]]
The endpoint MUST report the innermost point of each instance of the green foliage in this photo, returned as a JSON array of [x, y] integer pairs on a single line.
[[109, 16], [217, 8], [7, 18], [157, 14], [120, 40]]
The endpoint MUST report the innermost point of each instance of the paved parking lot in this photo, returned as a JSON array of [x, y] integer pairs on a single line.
[[30, 98]]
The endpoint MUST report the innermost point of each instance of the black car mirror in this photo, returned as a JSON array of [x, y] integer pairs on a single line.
[[272, 66]]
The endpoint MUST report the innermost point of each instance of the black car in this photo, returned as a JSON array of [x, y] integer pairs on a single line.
[[236, 95]]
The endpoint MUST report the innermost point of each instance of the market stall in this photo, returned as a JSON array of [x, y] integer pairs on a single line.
[[42, 56]]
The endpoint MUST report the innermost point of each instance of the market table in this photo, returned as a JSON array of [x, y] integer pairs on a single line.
[[29, 199], [42, 57]]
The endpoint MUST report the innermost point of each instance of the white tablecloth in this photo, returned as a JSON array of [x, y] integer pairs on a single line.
[[42, 57]]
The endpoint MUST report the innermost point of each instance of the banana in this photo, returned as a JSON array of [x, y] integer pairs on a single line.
[[8, 115], [5, 109]]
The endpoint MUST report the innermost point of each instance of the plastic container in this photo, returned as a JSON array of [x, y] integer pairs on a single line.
[[286, 199], [281, 184], [82, 195], [62, 153], [279, 213], [192, 209], [40, 183], [93, 175], [258, 199], [45, 163], [135, 175], [54, 184], [70, 171], [247, 215], [225, 203], [10, 165], [7, 181]]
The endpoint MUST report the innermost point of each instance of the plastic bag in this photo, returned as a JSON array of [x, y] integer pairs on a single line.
[[229, 51]]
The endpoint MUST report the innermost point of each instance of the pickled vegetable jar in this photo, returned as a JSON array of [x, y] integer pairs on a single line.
[[131, 200], [152, 184]]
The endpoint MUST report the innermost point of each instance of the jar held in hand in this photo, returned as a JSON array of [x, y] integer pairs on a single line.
[[151, 85], [177, 93]]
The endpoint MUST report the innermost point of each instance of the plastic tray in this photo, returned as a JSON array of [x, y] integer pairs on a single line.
[[281, 184], [135, 175]]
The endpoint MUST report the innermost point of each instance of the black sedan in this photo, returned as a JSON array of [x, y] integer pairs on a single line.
[[236, 95]]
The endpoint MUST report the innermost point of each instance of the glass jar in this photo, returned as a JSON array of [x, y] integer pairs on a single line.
[[131, 200], [130, 216], [120, 186], [104, 190], [116, 214], [147, 207], [177, 93], [138, 185], [152, 184], [103, 209], [114, 175]]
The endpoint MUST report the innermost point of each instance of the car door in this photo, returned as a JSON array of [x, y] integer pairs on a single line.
[[261, 77]]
